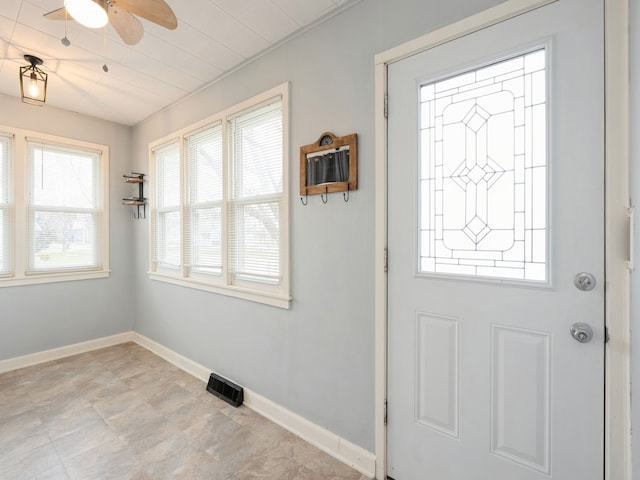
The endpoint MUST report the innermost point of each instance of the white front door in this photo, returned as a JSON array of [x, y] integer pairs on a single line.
[[495, 206]]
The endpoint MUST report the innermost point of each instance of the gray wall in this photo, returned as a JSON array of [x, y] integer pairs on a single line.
[[40, 317], [635, 195], [316, 359]]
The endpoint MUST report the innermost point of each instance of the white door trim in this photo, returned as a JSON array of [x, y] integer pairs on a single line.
[[618, 244], [617, 374]]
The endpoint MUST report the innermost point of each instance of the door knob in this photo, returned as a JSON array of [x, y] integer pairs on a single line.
[[581, 332]]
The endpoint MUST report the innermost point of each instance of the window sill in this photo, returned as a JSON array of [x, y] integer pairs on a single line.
[[52, 278], [267, 298]]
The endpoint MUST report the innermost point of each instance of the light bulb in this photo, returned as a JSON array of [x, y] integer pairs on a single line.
[[34, 91], [87, 12]]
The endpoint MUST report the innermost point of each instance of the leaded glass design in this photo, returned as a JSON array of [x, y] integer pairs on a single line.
[[483, 172]]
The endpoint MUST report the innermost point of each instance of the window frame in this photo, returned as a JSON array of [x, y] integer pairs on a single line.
[[20, 177], [224, 284], [7, 220]]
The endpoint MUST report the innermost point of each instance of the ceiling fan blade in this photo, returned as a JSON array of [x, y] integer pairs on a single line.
[[59, 14], [156, 11], [128, 27]]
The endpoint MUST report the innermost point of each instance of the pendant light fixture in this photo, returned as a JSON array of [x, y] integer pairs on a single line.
[[90, 13], [33, 82]]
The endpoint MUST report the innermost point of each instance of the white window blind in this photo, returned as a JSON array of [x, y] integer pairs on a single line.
[[204, 201], [63, 208], [6, 218], [167, 240], [219, 217], [254, 214], [54, 220]]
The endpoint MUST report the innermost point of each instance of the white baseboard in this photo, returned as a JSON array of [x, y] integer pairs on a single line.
[[62, 352], [183, 363], [343, 450]]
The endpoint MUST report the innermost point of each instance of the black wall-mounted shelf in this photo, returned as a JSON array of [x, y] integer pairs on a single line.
[[140, 200]]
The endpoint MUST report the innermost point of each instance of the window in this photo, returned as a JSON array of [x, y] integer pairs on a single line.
[[53, 220], [256, 159], [168, 206], [6, 223], [483, 181], [219, 217], [204, 204]]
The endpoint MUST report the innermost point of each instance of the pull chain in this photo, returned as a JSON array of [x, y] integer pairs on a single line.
[[65, 41], [104, 67]]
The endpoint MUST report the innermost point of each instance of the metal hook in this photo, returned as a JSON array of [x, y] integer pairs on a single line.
[[304, 200], [144, 212], [325, 197], [346, 195]]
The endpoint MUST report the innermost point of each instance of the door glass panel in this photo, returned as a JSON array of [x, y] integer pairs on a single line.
[[483, 172]]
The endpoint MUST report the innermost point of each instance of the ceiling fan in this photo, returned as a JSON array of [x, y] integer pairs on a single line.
[[119, 13]]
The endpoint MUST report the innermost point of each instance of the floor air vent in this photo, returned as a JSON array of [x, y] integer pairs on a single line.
[[226, 390]]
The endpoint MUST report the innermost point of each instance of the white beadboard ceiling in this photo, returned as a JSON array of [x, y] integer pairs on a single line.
[[212, 38]]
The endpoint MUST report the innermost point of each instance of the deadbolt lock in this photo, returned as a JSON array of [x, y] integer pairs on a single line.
[[585, 281]]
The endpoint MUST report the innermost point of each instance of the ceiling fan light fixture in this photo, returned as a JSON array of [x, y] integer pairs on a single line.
[[89, 13], [33, 82]]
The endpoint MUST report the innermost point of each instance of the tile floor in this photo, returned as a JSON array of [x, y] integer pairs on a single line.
[[123, 413]]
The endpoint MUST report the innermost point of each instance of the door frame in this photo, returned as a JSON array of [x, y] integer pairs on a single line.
[[618, 260]]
